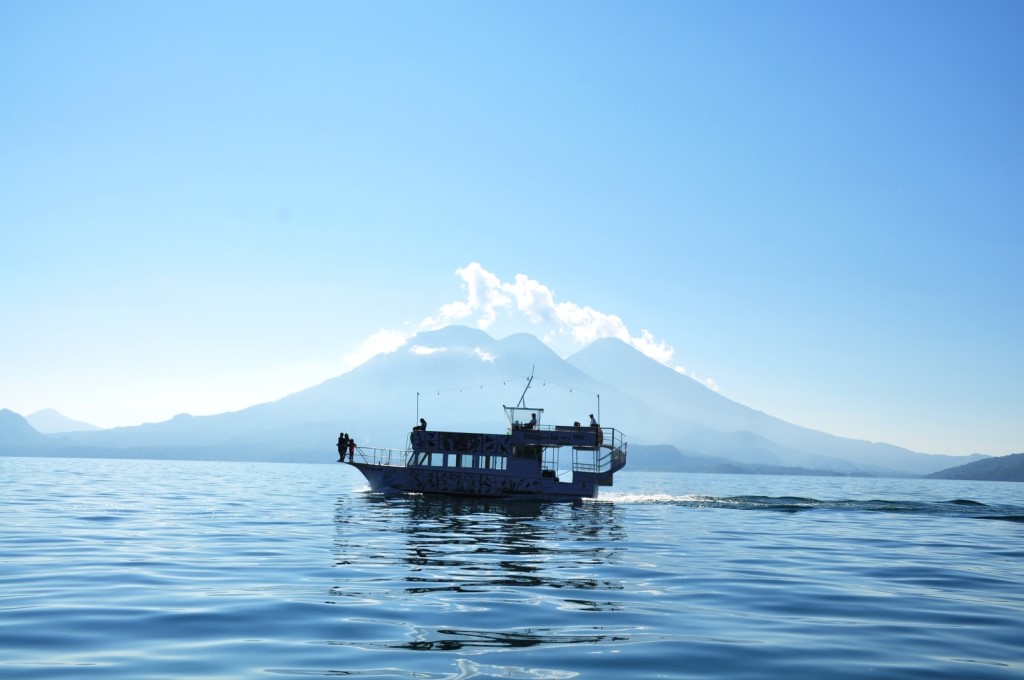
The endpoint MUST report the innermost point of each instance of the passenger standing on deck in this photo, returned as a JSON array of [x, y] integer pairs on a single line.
[[342, 446], [597, 429], [351, 450]]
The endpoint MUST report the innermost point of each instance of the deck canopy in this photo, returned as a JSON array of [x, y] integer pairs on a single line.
[[520, 416]]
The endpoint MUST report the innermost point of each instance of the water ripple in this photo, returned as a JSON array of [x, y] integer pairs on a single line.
[[957, 507], [126, 569]]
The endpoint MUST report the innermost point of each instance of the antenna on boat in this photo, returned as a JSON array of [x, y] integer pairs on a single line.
[[522, 399]]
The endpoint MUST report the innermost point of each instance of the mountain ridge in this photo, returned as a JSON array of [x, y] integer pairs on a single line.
[[51, 421], [612, 360], [1009, 468], [458, 377]]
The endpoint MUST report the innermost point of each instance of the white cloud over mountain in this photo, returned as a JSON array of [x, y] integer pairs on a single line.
[[523, 305]]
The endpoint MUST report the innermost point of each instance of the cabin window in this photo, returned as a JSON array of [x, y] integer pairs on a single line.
[[493, 462], [527, 451], [464, 460], [437, 460]]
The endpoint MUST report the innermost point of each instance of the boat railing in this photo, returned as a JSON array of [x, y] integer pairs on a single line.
[[610, 455], [370, 455]]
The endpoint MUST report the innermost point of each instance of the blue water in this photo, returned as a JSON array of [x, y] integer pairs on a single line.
[[172, 569]]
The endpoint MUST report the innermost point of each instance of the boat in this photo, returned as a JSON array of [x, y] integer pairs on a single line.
[[530, 460]]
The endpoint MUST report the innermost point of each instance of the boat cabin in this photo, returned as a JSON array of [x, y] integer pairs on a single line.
[[529, 459]]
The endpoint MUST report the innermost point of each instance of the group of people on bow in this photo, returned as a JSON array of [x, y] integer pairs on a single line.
[[346, 445]]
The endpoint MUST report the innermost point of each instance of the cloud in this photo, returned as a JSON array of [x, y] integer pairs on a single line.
[[527, 305], [382, 342], [422, 350], [484, 355], [485, 295]]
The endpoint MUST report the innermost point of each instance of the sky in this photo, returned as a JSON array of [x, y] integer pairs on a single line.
[[814, 208]]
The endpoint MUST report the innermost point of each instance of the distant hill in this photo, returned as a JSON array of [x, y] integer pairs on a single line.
[[49, 421], [15, 431], [996, 469], [459, 378]]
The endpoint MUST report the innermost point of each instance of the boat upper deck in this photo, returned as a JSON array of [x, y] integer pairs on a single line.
[[596, 449], [470, 442]]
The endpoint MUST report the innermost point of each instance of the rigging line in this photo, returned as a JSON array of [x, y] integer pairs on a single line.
[[468, 387], [545, 383]]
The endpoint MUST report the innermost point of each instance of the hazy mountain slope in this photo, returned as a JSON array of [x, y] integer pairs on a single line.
[[614, 362], [996, 469], [458, 378], [49, 421], [377, 404], [377, 401], [15, 431]]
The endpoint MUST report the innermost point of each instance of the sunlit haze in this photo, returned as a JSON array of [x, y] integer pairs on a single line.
[[811, 208]]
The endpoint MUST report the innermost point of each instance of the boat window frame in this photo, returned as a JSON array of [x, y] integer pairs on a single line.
[[493, 461]]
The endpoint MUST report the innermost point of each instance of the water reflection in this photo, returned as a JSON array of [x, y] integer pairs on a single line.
[[491, 568], [498, 551], [467, 545], [453, 639]]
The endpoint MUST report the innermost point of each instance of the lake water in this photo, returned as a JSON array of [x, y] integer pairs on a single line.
[[174, 569]]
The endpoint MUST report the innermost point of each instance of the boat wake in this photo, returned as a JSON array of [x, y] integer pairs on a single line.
[[958, 507]]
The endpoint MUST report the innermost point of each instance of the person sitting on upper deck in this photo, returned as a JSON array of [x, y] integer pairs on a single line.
[[422, 427], [533, 422], [593, 423]]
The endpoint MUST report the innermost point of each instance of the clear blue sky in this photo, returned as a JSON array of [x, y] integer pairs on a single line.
[[815, 207]]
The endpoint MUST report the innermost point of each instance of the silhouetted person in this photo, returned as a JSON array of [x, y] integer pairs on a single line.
[[422, 427], [533, 422], [351, 450], [342, 446], [593, 423]]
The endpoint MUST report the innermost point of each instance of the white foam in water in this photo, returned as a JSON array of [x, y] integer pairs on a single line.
[[637, 498]]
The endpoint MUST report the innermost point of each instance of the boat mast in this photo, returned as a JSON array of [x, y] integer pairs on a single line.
[[522, 399]]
